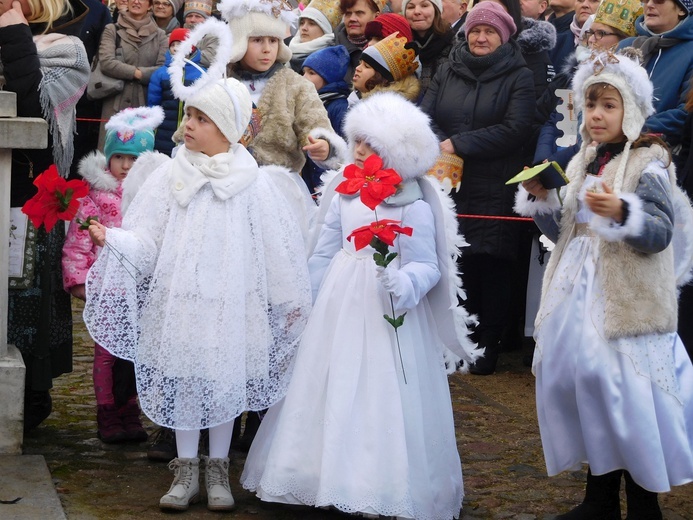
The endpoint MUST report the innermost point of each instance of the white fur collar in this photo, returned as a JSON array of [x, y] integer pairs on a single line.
[[94, 170]]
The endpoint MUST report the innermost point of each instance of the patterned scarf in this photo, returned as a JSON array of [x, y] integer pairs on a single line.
[[65, 70]]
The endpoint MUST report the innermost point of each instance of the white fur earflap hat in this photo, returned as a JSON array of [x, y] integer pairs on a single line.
[[623, 72], [226, 102], [397, 130], [248, 18]]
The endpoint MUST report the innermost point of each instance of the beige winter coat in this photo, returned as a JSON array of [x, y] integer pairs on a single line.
[[146, 56], [289, 109]]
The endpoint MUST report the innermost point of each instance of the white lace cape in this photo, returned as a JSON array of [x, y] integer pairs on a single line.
[[209, 301]]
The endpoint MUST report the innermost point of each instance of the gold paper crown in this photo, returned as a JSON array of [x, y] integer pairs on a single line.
[[448, 170], [619, 14], [330, 8], [400, 61]]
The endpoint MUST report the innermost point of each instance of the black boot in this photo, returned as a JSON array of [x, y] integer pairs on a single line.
[[601, 499], [486, 365], [37, 407], [642, 504]]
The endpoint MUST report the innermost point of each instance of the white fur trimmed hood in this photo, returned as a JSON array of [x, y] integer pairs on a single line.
[[94, 170], [398, 131]]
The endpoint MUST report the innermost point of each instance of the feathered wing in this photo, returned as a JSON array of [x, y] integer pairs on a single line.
[[452, 319], [143, 167], [297, 195]]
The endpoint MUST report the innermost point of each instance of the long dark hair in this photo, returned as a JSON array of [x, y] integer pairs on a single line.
[[597, 90]]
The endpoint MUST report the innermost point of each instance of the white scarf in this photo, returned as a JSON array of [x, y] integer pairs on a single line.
[[228, 173], [303, 49]]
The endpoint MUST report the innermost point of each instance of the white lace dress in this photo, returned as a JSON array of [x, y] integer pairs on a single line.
[[615, 404], [350, 432], [208, 300]]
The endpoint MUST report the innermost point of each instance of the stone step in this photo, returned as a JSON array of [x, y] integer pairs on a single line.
[[27, 477]]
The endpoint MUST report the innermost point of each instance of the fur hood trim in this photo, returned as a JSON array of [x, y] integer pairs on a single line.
[[93, 169], [536, 36], [409, 87], [397, 130]]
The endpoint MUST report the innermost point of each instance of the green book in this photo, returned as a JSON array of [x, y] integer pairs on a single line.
[[550, 174]]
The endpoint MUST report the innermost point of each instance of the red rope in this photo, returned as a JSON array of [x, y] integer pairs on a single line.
[[497, 217]]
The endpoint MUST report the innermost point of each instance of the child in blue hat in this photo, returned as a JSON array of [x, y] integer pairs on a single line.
[[326, 69], [129, 134]]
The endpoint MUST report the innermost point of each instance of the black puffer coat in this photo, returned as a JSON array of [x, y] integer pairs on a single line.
[[487, 112]]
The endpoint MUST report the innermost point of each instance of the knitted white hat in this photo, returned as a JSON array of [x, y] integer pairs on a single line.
[[623, 72], [247, 18], [397, 130], [313, 14], [226, 102]]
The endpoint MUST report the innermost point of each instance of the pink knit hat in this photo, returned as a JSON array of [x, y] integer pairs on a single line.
[[493, 14]]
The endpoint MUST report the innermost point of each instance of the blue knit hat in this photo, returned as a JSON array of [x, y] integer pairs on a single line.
[[687, 6], [131, 131], [331, 63]]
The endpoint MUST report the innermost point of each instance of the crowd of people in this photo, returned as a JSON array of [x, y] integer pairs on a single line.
[[277, 177]]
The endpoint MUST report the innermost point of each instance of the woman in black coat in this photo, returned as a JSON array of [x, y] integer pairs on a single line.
[[482, 104], [48, 73]]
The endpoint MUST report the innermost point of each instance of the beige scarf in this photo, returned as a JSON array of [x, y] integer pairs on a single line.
[[137, 30]]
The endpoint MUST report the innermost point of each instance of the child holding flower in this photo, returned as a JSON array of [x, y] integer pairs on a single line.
[[129, 133], [366, 425], [205, 288]]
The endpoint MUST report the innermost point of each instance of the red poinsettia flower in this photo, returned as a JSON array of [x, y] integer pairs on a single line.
[[56, 199], [386, 230], [372, 182]]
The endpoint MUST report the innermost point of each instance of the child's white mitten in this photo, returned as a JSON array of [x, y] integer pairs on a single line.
[[393, 280]]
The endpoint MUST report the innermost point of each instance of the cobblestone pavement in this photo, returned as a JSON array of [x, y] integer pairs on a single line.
[[497, 435]]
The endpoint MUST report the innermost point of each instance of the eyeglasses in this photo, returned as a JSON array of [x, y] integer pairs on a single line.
[[162, 4], [598, 34]]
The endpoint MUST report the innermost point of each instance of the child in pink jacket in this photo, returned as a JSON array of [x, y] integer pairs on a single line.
[[129, 134]]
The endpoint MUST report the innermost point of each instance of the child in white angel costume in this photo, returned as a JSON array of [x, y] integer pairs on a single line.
[[367, 424], [614, 383], [205, 288]]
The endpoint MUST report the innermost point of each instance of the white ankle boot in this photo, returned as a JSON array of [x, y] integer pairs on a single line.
[[219, 496], [185, 489]]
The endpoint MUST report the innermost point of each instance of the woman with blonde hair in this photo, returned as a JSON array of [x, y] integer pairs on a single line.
[[45, 64]]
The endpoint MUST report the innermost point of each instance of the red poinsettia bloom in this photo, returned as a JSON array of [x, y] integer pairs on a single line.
[[56, 199], [386, 230], [372, 182]]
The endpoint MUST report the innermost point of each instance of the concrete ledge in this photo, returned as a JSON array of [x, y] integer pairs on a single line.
[[8, 104], [12, 372], [24, 132], [27, 476]]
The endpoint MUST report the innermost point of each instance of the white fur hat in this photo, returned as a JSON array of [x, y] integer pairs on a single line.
[[625, 74], [226, 102], [247, 18], [397, 130]]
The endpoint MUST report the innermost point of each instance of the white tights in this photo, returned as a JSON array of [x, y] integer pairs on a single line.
[[219, 442]]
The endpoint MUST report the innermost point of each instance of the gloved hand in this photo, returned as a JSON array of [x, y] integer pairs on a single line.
[[392, 279]]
